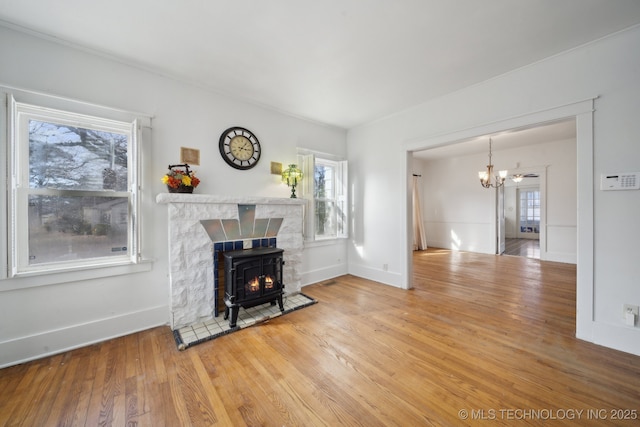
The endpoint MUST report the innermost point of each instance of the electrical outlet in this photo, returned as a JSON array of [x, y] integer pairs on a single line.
[[627, 307], [385, 267], [630, 314]]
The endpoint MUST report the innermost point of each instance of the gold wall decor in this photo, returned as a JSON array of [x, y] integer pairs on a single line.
[[276, 168], [190, 156]]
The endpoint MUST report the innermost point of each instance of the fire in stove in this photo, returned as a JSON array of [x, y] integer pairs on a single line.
[[253, 285]]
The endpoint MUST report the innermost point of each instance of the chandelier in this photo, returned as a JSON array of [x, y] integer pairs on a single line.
[[517, 178], [487, 176]]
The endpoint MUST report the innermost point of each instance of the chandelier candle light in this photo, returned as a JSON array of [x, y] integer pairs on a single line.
[[486, 176], [517, 178], [291, 176]]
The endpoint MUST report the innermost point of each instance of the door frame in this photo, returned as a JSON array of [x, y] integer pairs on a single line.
[[529, 235], [541, 171], [500, 221], [583, 112]]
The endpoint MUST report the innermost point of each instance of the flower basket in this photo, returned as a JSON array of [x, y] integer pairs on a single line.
[[180, 180], [181, 189]]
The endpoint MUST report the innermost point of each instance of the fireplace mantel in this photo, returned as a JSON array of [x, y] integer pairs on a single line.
[[166, 198], [191, 274]]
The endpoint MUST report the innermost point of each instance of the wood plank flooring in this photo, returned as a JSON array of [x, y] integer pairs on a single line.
[[480, 340], [529, 248]]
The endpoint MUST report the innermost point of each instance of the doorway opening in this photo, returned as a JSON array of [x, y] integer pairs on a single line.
[[526, 218], [460, 215], [525, 214], [582, 114]]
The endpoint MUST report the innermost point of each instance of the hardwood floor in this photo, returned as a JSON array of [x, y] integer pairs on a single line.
[[529, 248], [480, 340]]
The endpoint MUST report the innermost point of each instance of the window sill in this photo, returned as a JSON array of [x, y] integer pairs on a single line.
[[32, 280]]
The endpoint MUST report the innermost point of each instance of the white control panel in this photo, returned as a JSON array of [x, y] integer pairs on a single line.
[[620, 181]]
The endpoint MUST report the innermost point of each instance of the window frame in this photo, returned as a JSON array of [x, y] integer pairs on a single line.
[[527, 211], [20, 104], [309, 160]]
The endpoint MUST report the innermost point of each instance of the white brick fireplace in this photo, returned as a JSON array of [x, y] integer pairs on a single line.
[[191, 245]]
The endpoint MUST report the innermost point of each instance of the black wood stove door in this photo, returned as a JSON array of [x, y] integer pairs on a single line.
[[257, 277], [272, 273], [247, 279], [252, 276]]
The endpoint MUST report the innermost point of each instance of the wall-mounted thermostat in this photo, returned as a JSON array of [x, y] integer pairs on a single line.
[[620, 181]]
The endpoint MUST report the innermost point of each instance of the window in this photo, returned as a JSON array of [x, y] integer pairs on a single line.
[[325, 188], [74, 190], [529, 211]]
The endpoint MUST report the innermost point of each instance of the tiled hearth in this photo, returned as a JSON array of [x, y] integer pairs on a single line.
[[216, 327], [198, 225]]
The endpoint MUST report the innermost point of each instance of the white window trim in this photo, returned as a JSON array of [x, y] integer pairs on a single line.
[[141, 124], [307, 161]]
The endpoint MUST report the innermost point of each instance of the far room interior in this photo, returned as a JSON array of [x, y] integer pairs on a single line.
[[541, 169]]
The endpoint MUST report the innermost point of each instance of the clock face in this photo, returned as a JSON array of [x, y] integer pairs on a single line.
[[239, 147]]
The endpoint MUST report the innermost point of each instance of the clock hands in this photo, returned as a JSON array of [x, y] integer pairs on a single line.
[[246, 146], [241, 148]]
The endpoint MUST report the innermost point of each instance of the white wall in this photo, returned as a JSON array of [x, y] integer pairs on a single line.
[[458, 213], [607, 69], [38, 320], [323, 259]]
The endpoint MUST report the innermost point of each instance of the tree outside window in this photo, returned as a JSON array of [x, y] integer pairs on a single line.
[[325, 199], [326, 194]]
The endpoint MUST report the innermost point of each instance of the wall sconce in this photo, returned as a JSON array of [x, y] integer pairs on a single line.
[[487, 176], [291, 176]]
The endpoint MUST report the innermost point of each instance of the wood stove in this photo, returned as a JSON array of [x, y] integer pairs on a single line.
[[252, 277]]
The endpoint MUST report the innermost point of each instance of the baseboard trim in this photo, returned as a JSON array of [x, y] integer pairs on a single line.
[[622, 338], [36, 346], [377, 275], [321, 274], [566, 258]]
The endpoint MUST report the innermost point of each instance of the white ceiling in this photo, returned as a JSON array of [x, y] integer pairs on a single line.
[[340, 62]]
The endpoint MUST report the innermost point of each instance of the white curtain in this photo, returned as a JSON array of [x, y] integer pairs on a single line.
[[419, 239]]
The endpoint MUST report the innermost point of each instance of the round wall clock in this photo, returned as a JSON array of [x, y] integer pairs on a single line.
[[239, 147]]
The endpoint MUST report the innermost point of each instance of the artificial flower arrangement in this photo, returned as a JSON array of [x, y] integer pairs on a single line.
[[177, 179]]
